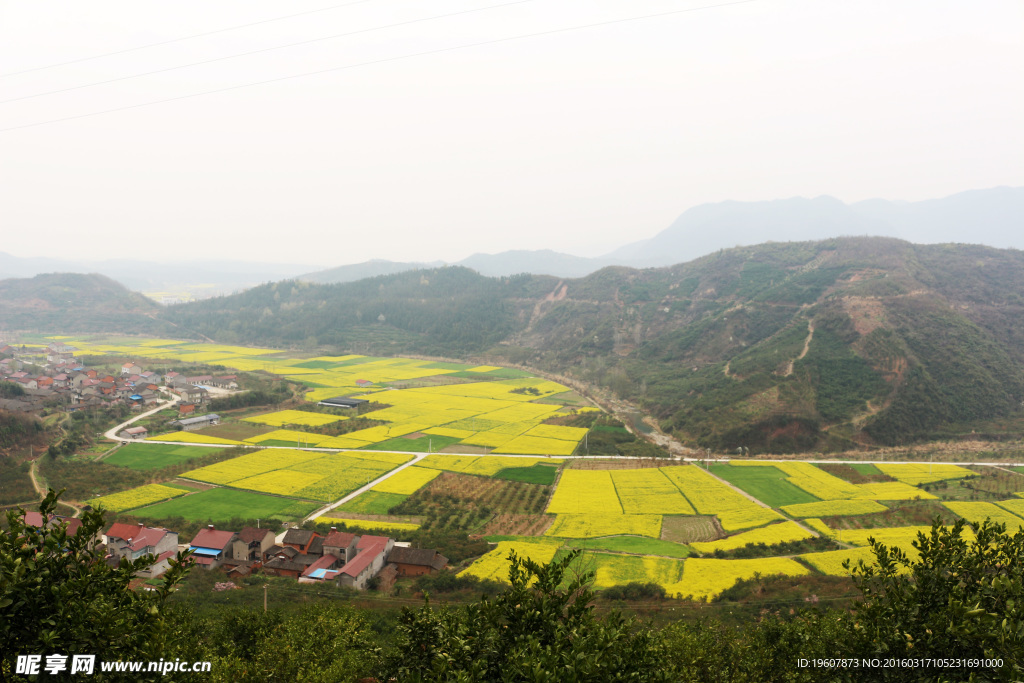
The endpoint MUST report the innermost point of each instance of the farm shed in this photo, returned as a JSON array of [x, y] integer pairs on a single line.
[[342, 402], [417, 561]]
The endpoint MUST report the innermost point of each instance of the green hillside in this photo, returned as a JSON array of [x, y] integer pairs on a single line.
[[777, 347]]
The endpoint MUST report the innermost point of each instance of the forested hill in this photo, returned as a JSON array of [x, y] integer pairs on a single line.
[[76, 302], [775, 347]]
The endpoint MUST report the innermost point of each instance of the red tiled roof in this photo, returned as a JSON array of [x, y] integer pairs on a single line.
[[339, 539], [198, 559], [212, 538], [148, 538], [165, 555], [124, 531], [366, 541], [364, 558], [250, 534], [36, 519]]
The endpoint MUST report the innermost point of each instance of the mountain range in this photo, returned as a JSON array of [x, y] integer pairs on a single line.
[[993, 217]]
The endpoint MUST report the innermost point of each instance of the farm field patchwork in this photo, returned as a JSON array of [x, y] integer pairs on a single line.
[[313, 475], [710, 496], [497, 408], [219, 504]]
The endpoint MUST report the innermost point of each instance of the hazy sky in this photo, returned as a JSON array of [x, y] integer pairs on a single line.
[[574, 140]]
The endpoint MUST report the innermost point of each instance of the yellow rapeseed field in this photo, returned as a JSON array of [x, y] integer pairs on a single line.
[[649, 491], [892, 490], [834, 508], [710, 496], [596, 525], [136, 498], [772, 534], [408, 481], [924, 473], [585, 492], [369, 524], [494, 565], [291, 436], [295, 417], [705, 578], [192, 437], [483, 465], [977, 512], [251, 464]]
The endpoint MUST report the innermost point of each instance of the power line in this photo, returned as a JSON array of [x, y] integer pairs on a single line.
[[376, 61], [178, 40], [261, 50]]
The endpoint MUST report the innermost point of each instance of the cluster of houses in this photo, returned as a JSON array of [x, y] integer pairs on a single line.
[[339, 557], [63, 377]]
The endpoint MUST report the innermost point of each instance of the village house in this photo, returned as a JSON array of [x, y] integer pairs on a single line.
[[417, 561], [373, 551], [35, 519], [301, 540], [252, 544], [192, 394], [211, 546], [341, 544], [281, 562], [131, 541], [191, 424], [134, 433], [225, 382], [131, 368]]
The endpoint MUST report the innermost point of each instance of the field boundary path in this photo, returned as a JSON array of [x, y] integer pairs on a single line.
[[363, 489], [763, 504]]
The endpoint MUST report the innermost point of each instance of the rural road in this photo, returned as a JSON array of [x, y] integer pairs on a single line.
[[112, 433]]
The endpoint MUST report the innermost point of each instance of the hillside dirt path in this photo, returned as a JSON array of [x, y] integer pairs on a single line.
[[807, 346], [41, 491]]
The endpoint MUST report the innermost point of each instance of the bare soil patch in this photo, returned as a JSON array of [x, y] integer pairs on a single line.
[[686, 529]]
